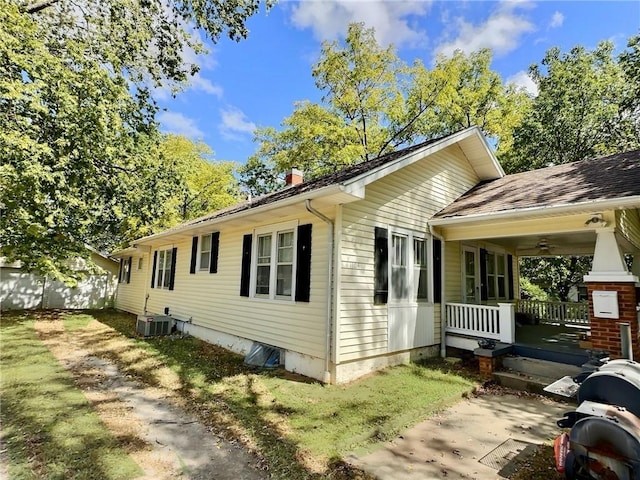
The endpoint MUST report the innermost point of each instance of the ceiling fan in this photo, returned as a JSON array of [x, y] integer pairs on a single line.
[[544, 247]]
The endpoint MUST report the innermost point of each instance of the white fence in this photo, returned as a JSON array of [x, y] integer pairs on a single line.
[[559, 313], [481, 321], [24, 290]]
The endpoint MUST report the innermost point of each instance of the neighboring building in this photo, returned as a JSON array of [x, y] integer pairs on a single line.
[[28, 290], [345, 273]]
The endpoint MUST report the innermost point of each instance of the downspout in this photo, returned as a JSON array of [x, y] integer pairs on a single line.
[[443, 312], [327, 347]]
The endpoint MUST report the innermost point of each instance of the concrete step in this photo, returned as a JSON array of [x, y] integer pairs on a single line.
[[528, 383], [540, 368]]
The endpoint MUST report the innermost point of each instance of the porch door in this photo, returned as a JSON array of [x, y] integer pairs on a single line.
[[470, 273], [410, 317]]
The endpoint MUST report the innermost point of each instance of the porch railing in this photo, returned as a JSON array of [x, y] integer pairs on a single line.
[[560, 313], [481, 321]]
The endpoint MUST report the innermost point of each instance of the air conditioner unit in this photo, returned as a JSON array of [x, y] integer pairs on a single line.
[[154, 325]]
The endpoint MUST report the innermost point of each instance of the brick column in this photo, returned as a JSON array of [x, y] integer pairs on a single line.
[[605, 332]]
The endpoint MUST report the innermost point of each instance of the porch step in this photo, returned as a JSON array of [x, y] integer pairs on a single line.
[[528, 383], [532, 375], [541, 368]]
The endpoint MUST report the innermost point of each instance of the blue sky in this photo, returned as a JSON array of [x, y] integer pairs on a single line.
[[256, 82]]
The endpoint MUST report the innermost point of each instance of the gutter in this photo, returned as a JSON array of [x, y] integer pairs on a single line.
[[327, 348], [443, 312], [325, 191], [613, 203]]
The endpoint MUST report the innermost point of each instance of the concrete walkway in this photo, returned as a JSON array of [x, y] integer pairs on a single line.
[[472, 440]]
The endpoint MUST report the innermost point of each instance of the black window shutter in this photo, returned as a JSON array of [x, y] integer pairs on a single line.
[[129, 262], [381, 266], [246, 265], [153, 272], [510, 276], [303, 263], [215, 246], [194, 254], [437, 271], [172, 277], [484, 295], [120, 272]]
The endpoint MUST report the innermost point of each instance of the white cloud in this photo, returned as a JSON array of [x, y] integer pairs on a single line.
[[329, 19], [523, 80], [174, 122], [235, 124], [557, 20], [198, 82], [501, 32]]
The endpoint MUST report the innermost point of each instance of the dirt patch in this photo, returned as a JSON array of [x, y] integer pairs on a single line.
[[160, 436]]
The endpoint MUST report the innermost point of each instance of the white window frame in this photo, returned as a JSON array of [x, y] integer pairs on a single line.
[[496, 276], [201, 267], [140, 263], [273, 231], [160, 280], [410, 267]]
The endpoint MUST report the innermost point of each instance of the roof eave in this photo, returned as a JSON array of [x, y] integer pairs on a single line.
[[383, 170], [608, 204], [337, 188]]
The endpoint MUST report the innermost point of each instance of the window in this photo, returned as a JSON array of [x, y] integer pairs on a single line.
[[284, 276], [263, 274], [500, 276], [408, 255], [399, 272], [205, 251], [420, 269], [274, 263], [491, 275], [125, 270], [163, 275], [140, 263], [496, 276]]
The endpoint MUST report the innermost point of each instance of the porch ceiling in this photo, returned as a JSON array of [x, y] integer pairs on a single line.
[[572, 243], [542, 235]]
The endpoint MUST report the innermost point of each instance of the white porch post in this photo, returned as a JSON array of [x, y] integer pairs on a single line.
[[610, 277], [507, 315], [608, 261]]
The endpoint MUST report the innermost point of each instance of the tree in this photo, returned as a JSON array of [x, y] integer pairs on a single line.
[[373, 103], [202, 186], [79, 142], [555, 275], [587, 105]]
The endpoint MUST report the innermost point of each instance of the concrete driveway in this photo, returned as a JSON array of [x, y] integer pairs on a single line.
[[474, 439]]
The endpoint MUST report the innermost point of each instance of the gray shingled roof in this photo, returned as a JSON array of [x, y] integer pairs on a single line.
[[334, 178], [604, 178]]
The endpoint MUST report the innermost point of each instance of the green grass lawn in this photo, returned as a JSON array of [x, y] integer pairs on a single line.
[[301, 427], [287, 415], [49, 428]]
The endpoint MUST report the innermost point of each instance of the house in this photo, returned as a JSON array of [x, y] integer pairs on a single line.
[[27, 290], [347, 273]]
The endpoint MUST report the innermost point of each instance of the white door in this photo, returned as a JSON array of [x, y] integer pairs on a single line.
[[470, 274], [411, 323]]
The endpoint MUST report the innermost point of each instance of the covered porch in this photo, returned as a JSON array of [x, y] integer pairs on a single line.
[[589, 208]]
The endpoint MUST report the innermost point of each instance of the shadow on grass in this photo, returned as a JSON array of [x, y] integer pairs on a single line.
[[49, 428], [225, 393]]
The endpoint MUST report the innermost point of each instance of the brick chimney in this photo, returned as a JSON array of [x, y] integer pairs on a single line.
[[293, 177]]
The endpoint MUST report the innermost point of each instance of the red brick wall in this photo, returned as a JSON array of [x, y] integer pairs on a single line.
[[605, 332]]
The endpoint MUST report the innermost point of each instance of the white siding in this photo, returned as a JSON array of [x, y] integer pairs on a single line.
[[213, 300], [629, 225], [405, 199], [453, 272], [131, 296]]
